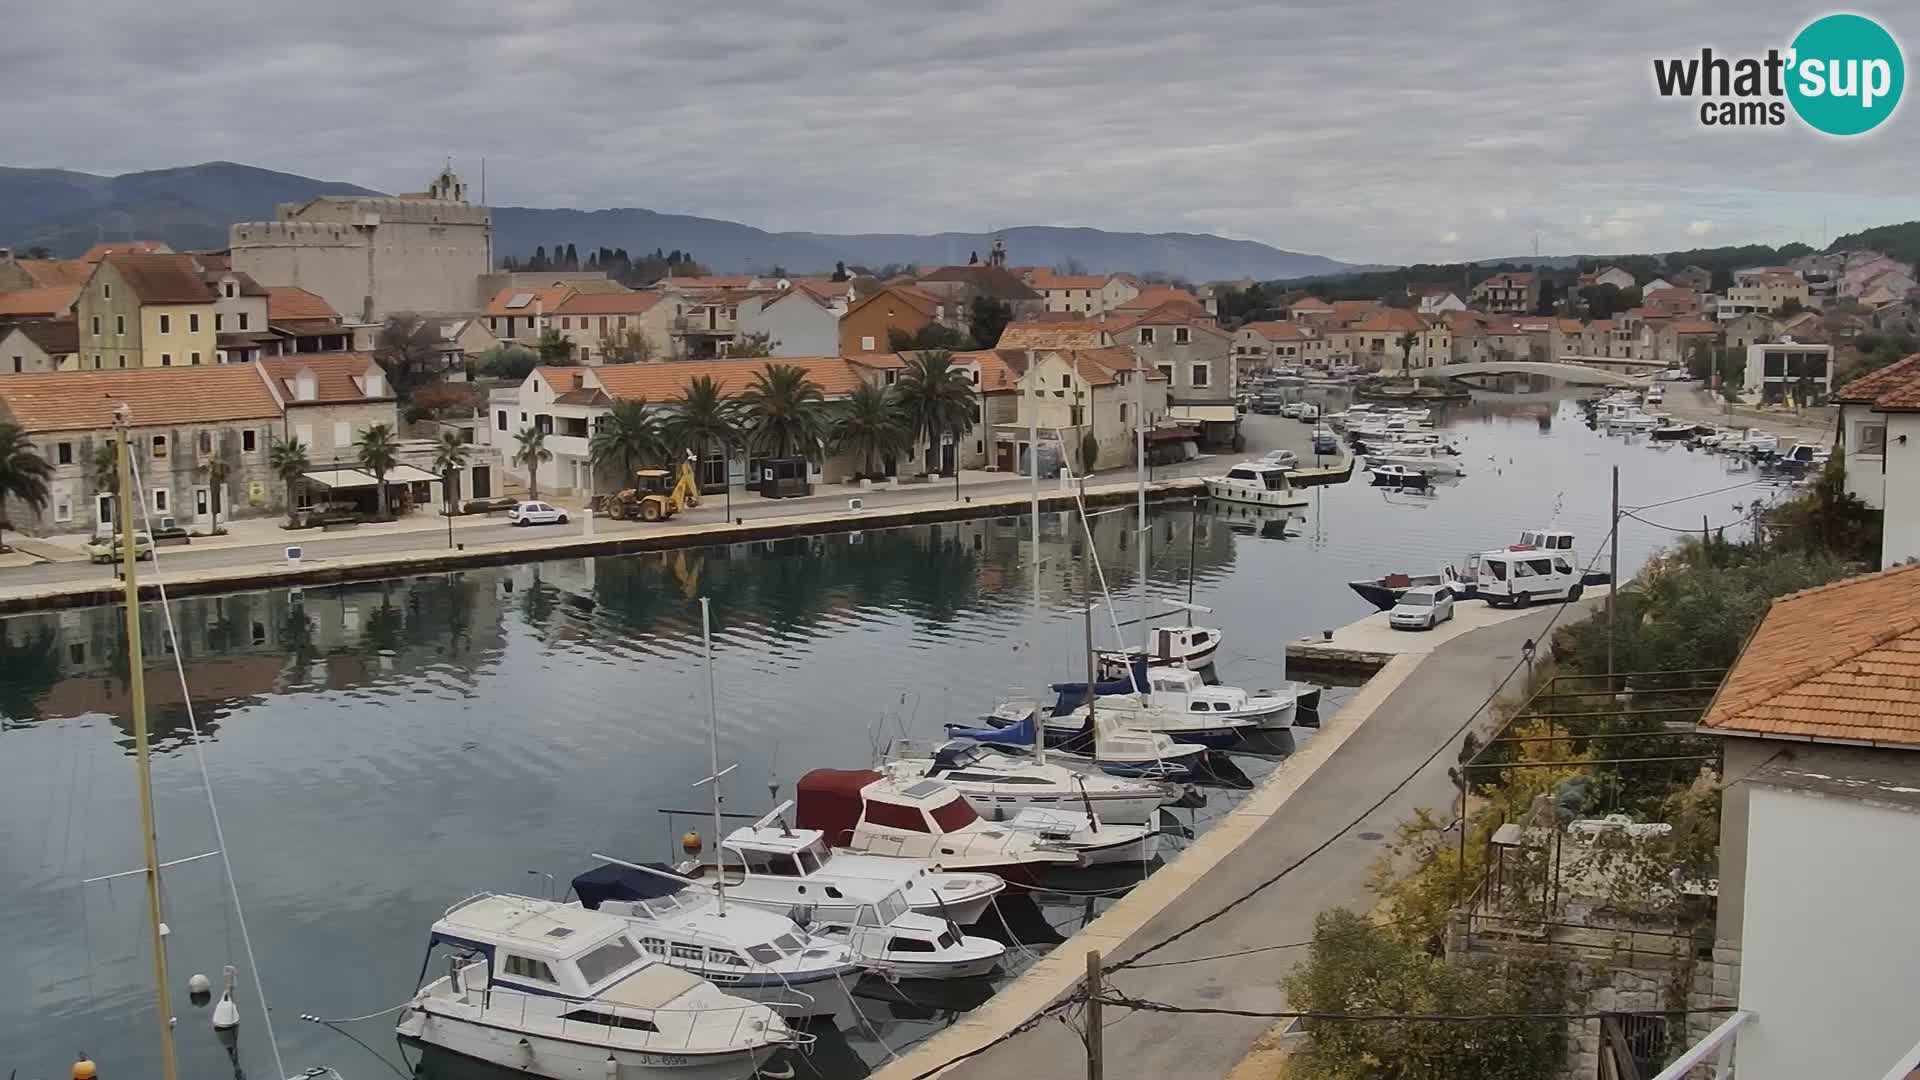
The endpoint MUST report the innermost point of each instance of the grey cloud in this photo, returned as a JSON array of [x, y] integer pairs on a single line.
[[1366, 131]]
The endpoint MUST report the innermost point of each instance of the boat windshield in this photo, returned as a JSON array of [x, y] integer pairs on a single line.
[[954, 815], [607, 960], [891, 906], [1275, 480]]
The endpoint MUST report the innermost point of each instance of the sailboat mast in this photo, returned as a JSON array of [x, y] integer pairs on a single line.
[[1033, 521], [137, 689], [1087, 524], [713, 754], [1140, 482]]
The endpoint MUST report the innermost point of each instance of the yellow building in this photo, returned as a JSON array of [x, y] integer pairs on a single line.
[[146, 310]]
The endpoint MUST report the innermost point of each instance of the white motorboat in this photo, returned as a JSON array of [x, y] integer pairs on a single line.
[[1181, 691], [1171, 646], [1418, 457], [867, 813], [1000, 785], [1397, 476], [555, 990], [759, 955], [1099, 843], [789, 865], [1216, 731], [1256, 482], [1110, 745]]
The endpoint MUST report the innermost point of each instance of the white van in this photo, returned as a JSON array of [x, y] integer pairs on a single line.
[[1517, 576]]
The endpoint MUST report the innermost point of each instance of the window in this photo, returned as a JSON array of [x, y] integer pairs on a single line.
[[594, 1016], [954, 815], [63, 511], [227, 289], [1146, 335], [193, 322], [159, 500], [1166, 372], [1201, 373], [623, 322], [120, 324], [166, 324], [866, 344], [123, 359], [218, 320], [500, 419], [159, 446], [1123, 412], [342, 433], [1182, 335], [1066, 380], [193, 358], [94, 326], [106, 290], [205, 439], [607, 960], [523, 968], [243, 320], [63, 453], [247, 442], [166, 359], [894, 816], [19, 364], [1872, 440], [907, 944]]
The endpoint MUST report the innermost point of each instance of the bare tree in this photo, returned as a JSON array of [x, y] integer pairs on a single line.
[[411, 350], [629, 346]]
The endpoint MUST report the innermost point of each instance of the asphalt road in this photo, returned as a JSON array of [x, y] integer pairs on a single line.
[[1404, 729]]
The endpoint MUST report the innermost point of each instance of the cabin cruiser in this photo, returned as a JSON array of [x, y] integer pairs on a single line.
[[1109, 744], [1182, 646], [1215, 730], [1180, 691], [1256, 482], [556, 990], [758, 955], [1396, 476], [1099, 843], [791, 872], [781, 863], [1000, 784], [867, 813], [1421, 457]]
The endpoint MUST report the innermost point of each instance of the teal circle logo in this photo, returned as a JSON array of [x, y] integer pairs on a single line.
[[1847, 74]]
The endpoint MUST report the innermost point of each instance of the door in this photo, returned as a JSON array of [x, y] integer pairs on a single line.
[[1003, 456], [482, 482], [202, 503]]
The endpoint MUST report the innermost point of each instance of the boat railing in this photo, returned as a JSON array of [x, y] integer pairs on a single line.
[[475, 898]]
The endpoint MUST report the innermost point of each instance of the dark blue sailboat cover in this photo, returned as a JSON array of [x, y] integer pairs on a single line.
[[610, 881]]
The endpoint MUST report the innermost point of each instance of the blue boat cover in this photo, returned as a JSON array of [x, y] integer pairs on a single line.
[[610, 881], [1019, 733]]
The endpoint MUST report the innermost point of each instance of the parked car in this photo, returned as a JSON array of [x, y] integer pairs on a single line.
[[537, 513], [1291, 410], [105, 549], [1422, 608]]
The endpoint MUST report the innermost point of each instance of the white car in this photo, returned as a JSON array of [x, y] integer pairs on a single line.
[[1291, 410], [537, 513], [1422, 608]]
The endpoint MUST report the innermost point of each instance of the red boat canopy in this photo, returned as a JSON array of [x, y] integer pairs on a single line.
[[829, 800]]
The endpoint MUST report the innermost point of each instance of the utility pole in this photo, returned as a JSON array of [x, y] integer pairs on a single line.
[[1613, 571], [1095, 1066]]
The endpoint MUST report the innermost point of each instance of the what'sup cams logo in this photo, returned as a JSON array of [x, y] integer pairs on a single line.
[[1842, 75]]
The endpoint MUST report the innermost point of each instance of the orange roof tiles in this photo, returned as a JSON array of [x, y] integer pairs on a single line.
[[1390, 321], [835, 375], [1348, 311], [126, 247], [1902, 377], [335, 376], [1047, 279], [1053, 334], [157, 397], [162, 279], [1000, 369], [1276, 331], [540, 300], [606, 303], [286, 302], [42, 303], [1310, 303], [1839, 662], [50, 272]]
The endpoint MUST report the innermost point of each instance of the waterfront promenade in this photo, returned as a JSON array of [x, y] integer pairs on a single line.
[[1414, 704]]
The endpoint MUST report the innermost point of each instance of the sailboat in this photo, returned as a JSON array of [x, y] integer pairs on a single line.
[[226, 1015]]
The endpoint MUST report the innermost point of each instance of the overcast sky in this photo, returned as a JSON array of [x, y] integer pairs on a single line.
[[1375, 132]]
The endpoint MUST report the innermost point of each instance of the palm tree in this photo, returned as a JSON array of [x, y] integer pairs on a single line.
[[288, 459], [449, 457], [785, 411], [935, 398], [630, 431], [533, 453], [870, 425], [702, 417], [23, 472], [379, 453]]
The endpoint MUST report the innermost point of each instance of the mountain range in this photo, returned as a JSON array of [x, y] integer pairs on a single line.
[[190, 208]]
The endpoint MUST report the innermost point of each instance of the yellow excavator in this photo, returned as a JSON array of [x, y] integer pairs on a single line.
[[656, 495]]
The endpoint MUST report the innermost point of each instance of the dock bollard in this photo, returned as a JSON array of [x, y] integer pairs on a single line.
[[1326, 635]]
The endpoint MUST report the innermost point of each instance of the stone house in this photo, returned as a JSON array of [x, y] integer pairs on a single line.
[[1070, 394], [1194, 356], [1747, 329], [1260, 345], [1606, 275], [1080, 294], [40, 346], [147, 311], [958, 286], [1513, 292]]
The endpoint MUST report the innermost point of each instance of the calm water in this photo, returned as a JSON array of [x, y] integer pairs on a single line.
[[380, 751]]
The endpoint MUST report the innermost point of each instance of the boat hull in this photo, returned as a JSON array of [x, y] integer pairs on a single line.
[[1121, 809], [1132, 849], [536, 1054], [1255, 497], [1383, 596]]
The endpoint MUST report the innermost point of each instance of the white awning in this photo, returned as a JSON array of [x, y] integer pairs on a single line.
[[340, 479], [1209, 414], [411, 474]]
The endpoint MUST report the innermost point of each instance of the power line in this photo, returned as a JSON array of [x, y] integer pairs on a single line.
[[1688, 498], [1377, 804], [1018, 1029], [1125, 1002]]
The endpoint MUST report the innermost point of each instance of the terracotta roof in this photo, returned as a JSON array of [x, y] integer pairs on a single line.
[[1000, 369], [1840, 662], [55, 337], [707, 281], [1513, 277], [879, 361], [163, 279], [43, 302], [835, 375], [991, 280], [1047, 279], [919, 299], [1053, 334], [1276, 331], [606, 303], [286, 302], [1900, 377], [587, 395], [1391, 321], [542, 300], [49, 272], [1152, 296], [1310, 303], [335, 376], [158, 397], [126, 247], [1693, 326], [825, 290], [1347, 311], [306, 327]]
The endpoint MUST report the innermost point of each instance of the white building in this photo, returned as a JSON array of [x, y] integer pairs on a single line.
[[1789, 371], [1820, 812], [1879, 427], [797, 322]]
